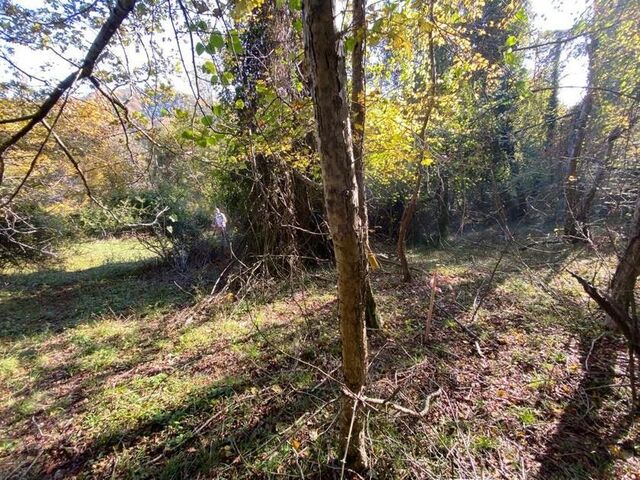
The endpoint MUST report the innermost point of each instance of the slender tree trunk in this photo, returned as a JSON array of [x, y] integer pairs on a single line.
[[583, 210], [628, 269], [442, 197], [326, 62], [405, 223], [358, 114], [551, 113], [410, 208], [576, 143]]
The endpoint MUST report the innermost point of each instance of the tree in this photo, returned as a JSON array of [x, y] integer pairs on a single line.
[[358, 114], [121, 10], [410, 209], [572, 227], [628, 269], [328, 75]]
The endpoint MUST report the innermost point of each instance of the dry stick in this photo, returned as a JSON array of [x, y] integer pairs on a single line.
[[593, 344], [427, 327], [353, 420], [16, 120]]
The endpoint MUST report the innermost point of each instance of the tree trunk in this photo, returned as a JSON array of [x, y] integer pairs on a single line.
[[405, 223], [584, 208], [358, 114], [626, 274], [442, 197], [326, 62], [551, 113], [571, 224], [410, 208]]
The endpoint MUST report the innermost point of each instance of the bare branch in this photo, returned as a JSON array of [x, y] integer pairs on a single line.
[[118, 14]]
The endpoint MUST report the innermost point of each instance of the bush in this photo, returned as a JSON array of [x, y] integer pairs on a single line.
[[27, 235], [165, 222]]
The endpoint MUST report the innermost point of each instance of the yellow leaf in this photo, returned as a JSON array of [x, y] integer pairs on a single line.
[[373, 261]]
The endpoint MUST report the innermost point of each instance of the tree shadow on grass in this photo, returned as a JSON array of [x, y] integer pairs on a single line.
[[229, 427], [590, 426], [54, 300]]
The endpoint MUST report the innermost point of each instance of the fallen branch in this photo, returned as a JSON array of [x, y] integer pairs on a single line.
[[381, 401], [612, 308]]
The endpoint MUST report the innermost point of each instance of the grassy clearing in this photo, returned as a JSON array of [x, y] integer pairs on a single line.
[[110, 370]]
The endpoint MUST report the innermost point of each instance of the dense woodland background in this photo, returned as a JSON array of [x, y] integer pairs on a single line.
[[483, 235]]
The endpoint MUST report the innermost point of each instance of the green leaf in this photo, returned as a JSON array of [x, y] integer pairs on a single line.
[[209, 67], [295, 4], [234, 43], [297, 25], [510, 58], [217, 110], [216, 41], [239, 104], [511, 41], [227, 78], [349, 44], [207, 120], [215, 79], [377, 26], [199, 48], [189, 135]]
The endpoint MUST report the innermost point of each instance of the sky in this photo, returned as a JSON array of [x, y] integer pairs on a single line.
[[561, 15], [546, 15]]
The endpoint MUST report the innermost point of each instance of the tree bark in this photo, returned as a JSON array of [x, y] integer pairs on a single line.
[[551, 113], [628, 269], [358, 114], [326, 62]]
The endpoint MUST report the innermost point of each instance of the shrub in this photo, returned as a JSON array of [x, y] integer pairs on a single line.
[[27, 235]]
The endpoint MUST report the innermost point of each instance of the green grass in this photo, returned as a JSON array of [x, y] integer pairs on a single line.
[[133, 377]]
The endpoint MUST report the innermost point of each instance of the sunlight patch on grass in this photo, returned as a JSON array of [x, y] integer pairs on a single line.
[[9, 368], [141, 400], [196, 338], [104, 331], [100, 252], [100, 359]]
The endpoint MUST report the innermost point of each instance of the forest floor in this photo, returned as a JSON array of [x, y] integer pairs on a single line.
[[114, 367]]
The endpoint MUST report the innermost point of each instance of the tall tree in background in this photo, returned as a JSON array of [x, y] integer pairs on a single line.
[[410, 208], [329, 90], [572, 227], [358, 114]]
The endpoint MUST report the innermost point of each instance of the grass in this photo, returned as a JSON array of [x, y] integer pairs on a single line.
[[111, 366]]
